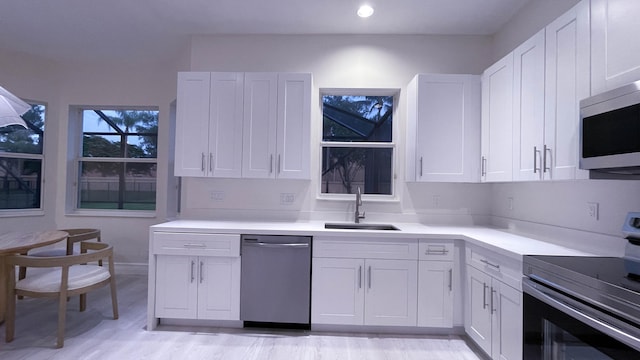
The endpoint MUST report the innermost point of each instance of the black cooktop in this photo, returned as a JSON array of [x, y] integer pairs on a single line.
[[605, 282]]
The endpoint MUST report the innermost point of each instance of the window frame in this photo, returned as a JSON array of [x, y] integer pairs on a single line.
[[40, 210], [393, 144], [75, 159]]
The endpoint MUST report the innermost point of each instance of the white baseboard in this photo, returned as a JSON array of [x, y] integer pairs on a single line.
[[132, 268]]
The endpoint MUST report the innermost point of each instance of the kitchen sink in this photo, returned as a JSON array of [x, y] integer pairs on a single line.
[[354, 226]]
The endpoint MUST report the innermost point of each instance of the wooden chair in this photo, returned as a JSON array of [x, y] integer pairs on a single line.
[[75, 236], [64, 276]]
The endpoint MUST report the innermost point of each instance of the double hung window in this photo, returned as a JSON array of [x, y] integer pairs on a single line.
[[117, 162], [357, 144], [21, 162]]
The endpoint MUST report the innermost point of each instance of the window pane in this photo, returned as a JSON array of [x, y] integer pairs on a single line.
[[357, 118], [117, 185], [344, 169], [106, 130], [20, 183], [17, 139]]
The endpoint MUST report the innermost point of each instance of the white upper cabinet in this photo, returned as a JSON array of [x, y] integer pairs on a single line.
[[209, 124], [567, 77], [192, 123], [528, 108], [260, 112], [443, 128], [253, 125], [277, 117], [497, 121], [615, 50]]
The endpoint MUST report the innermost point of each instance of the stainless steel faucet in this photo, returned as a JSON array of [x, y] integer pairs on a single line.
[[358, 204]]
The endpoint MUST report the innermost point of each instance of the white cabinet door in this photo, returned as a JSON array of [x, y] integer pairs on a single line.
[[293, 128], [192, 124], [225, 129], [528, 108], [506, 309], [391, 292], [478, 315], [435, 293], [497, 121], [566, 83], [219, 288], [176, 287], [615, 49], [259, 129], [444, 127], [337, 291]]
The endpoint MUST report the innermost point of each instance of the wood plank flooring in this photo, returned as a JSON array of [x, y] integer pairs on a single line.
[[95, 335]]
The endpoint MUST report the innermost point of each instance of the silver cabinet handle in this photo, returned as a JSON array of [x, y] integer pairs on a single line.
[[450, 280], [487, 262], [436, 250], [194, 246], [211, 162], [420, 166], [193, 276], [202, 163], [536, 153], [369, 277], [360, 277], [484, 295], [201, 271], [493, 292], [546, 168], [483, 166], [271, 164], [279, 165]]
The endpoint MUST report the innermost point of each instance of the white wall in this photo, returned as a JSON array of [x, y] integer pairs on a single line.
[[99, 84], [339, 62], [559, 206]]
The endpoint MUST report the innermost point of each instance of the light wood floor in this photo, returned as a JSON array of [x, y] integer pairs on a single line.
[[95, 335]]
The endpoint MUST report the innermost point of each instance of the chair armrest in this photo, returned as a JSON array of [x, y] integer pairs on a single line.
[[61, 261]]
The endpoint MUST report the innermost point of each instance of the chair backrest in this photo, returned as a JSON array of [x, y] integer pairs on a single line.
[[77, 235], [100, 251]]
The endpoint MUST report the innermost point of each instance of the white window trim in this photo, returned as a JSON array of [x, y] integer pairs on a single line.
[[393, 197]]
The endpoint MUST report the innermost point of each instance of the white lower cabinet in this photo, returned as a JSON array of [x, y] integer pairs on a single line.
[[493, 317], [436, 284], [191, 287], [364, 292], [350, 286], [193, 276]]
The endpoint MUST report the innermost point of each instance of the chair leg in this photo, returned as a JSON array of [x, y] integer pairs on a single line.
[[62, 316], [114, 298], [83, 302], [10, 315]]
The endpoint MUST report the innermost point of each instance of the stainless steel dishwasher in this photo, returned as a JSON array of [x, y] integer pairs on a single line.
[[275, 285]]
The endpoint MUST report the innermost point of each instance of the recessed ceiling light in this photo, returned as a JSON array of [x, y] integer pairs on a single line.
[[365, 11]]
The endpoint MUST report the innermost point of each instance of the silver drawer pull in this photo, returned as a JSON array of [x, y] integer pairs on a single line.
[[487, 262], [436, 252], [194, 246]]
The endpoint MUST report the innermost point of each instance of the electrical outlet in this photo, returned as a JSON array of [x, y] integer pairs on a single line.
[[287, 198], [436, 201], [510, 203], [593, 210]]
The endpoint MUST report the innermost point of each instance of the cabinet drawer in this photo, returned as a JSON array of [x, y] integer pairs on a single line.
[[199, 244], [500, 267], [436, 250], [335, 247]]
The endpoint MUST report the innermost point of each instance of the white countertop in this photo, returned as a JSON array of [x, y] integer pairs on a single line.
[[498, 240]]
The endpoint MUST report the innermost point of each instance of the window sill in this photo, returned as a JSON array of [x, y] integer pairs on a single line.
[[112, 213], [21, 213]]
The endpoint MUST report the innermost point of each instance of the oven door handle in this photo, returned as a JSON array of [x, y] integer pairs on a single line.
[[579, 312]]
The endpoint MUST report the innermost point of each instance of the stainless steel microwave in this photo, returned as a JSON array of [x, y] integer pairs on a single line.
[[610, 131]]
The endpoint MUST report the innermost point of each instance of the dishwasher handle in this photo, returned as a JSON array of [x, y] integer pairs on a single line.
[[254, 242]]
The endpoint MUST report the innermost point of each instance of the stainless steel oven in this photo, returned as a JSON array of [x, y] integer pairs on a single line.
[[583, 307]]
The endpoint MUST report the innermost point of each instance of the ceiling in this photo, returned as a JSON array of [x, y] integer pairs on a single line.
[[91, 30]]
